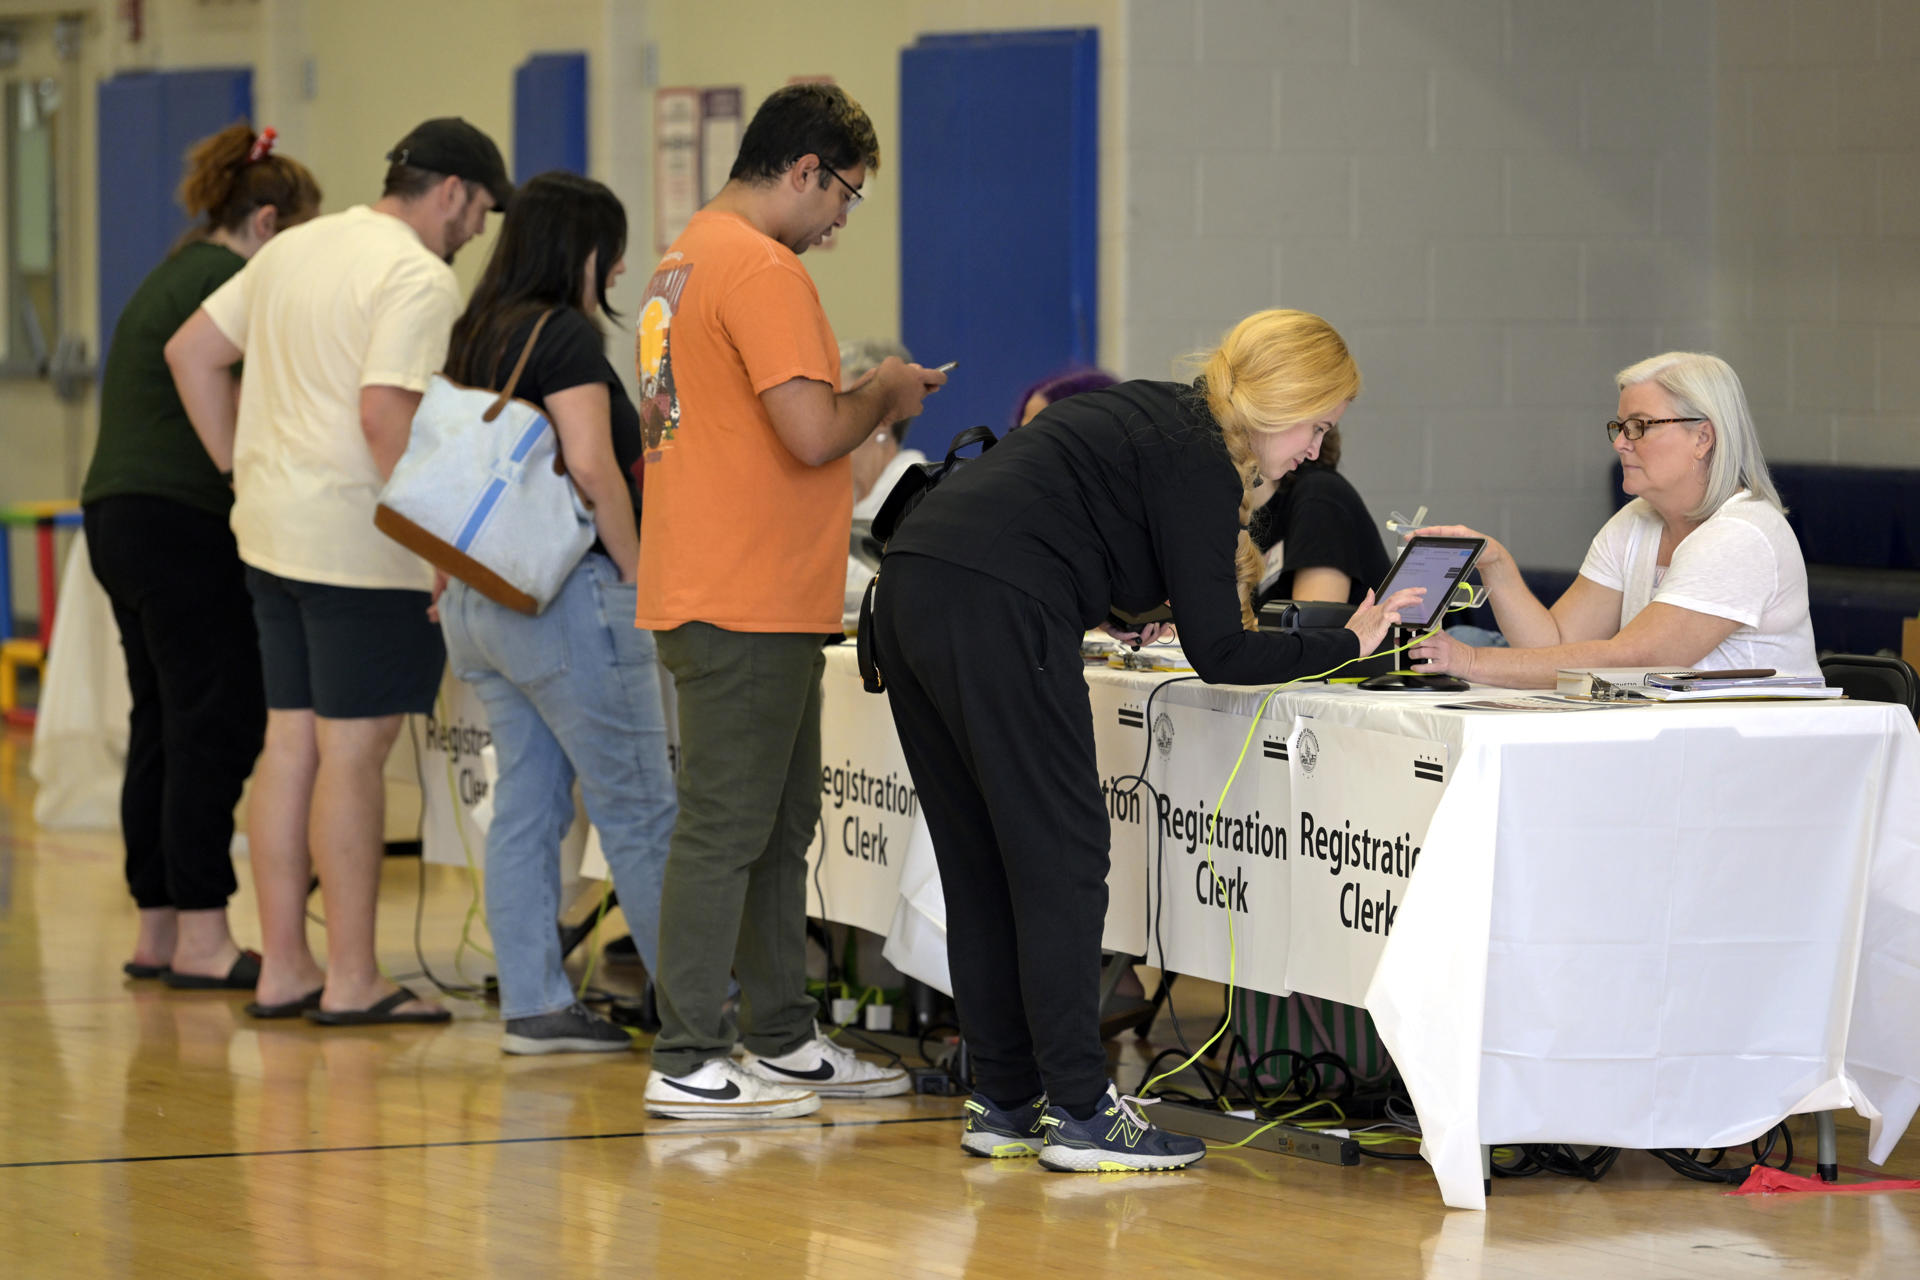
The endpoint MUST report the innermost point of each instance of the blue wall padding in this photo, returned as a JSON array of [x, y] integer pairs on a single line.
[[148, 120], [550, 115], [999, 225]]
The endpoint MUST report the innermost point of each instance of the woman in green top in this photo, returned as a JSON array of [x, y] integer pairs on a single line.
[[156, 522]]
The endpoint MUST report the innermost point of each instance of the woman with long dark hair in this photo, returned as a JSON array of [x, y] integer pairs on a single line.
[[573, 691], [156, 513]]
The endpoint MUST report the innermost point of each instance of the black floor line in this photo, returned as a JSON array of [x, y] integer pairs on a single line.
[[481, 1142]]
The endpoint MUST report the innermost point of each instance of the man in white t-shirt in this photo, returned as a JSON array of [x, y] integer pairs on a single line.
[[341, 321]]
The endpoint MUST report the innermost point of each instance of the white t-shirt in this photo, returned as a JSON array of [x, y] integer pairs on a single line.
[[346, 301], [858, 570], [1743, 564], [869, 507]]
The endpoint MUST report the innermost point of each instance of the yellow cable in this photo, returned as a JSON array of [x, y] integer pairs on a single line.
[[1233, 955], [1211, 827], [1275, 1123], [593, 941]]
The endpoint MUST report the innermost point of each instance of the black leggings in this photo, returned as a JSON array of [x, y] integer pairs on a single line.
[[193, 665], [991, 706]]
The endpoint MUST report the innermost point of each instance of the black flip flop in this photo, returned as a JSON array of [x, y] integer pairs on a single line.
[[291, 1009], [134, 969], [381, 1013], [243, 976]]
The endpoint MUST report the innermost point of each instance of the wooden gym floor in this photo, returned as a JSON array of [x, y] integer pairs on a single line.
[[149, 1133]]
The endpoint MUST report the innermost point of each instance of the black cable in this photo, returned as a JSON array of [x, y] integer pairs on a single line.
[[1334, 1062], [893, 1059], [1302, 1085], [930, 1029], [1157, 886], [1207, 1073], [821, 894], [1377, 1154], [1688, 1162], [419, 950]]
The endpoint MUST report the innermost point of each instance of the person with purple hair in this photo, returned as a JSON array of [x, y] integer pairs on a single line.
[[1058, 385]]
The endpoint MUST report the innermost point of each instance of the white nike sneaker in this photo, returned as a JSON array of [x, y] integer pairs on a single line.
[[830, 1070], [722, 1089]]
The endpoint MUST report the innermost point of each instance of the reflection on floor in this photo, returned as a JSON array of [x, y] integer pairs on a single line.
[[151, 1133]]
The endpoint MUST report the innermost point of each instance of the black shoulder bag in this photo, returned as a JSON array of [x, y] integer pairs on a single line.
[[907, 492]]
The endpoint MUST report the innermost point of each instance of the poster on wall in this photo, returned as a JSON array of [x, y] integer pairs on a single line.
[[676, 163], [719, 138], [1361, 804]]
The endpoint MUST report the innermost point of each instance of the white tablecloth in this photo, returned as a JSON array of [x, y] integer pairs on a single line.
[[1640, 927], [1664, 926]]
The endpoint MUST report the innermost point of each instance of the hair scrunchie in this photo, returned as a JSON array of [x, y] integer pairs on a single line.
[[262, 146]]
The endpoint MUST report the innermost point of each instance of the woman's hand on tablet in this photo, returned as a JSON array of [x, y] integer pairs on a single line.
[[1493, 556], [1370, 620]]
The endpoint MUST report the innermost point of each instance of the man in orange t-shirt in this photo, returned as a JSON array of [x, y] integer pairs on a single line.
[[743, 540]]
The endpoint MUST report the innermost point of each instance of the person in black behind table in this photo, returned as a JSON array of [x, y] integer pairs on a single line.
[[1122, 498], [1317, 534], [574, 690], [157, 538]]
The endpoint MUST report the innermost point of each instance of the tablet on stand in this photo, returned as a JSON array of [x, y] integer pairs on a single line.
[[1439, 565]]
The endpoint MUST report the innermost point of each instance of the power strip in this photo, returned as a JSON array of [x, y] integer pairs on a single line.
[[1286, 1139]]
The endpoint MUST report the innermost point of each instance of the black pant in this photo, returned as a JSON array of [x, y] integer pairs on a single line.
[[193, 664], [991, 706]]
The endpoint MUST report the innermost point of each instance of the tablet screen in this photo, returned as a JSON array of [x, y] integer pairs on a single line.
[[1439, 565]]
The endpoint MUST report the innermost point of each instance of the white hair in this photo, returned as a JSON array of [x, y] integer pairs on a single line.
[[858, 356], [1704, 386]]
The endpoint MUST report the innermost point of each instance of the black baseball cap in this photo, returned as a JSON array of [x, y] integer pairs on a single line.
[[448, 144]]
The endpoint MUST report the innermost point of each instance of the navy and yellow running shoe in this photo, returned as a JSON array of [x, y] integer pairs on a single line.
[[1002, 1134], [1117, 1139]]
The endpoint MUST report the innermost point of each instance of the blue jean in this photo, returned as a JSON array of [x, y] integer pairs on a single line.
[[574, 691]]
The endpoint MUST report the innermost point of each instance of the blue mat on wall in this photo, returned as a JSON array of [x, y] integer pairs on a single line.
[[148, 120], [550, 115], [999, 226]]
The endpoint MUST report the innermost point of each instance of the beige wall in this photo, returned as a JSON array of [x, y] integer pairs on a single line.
[[1817, 253], [760, 44], [1503, 200], [376, 67]]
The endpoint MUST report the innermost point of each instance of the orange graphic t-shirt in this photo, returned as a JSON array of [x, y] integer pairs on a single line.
[[734, 530]]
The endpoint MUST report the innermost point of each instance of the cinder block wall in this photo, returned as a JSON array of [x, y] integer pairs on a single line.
[[1502, 202]]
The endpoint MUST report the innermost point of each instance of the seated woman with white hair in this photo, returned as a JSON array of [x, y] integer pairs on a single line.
[[1700, 570]]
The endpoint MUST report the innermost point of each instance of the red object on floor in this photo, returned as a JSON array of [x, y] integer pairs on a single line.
[[1765, 1181]]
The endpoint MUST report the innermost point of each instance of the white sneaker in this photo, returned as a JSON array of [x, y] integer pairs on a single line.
[[722, 1089], [830, 1070]]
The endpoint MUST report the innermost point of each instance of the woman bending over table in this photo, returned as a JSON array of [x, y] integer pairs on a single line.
[[1699, 570], [1123, 497]]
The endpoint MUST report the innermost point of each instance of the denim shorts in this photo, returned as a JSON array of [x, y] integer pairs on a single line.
[[345, 653]]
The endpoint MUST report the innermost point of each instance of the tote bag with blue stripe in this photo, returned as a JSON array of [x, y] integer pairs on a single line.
[[482, 493]]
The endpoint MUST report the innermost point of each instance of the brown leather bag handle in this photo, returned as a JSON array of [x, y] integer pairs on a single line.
[[519, 366], [506, 393]]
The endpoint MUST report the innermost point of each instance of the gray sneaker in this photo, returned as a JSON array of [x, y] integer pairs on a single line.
[[574, 1029]]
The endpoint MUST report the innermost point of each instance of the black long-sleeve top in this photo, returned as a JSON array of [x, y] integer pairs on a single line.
[[1119, 498]]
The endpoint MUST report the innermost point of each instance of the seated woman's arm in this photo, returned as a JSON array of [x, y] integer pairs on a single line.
[[1587, 610], [1661, 635], [1321, 583]]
